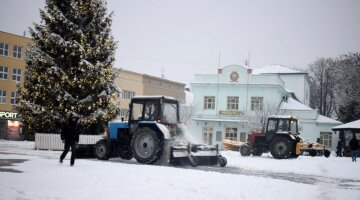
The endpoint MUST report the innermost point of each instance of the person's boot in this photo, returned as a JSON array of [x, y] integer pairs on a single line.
[[60, 161]]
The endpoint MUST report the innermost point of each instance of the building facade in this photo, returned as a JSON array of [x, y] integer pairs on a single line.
[[12, 68], [136, 84], [229, 102], [295, 81]]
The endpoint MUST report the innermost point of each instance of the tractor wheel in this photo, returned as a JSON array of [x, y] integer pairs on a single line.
[[312, 152], [102, 150], [194, 161], [280, 147], [327, 153], [245, 150], [146, 146], [222, 161]]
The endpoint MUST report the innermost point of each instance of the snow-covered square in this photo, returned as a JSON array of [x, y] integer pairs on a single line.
[[41, 176]]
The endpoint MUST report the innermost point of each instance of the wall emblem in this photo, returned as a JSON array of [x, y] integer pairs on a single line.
[[234, 76]]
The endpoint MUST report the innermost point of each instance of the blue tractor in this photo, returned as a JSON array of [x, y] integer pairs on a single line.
[[153, 132]]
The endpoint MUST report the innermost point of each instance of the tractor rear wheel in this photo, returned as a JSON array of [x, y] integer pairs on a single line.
[[147, 146], [102, 150], [281, 147], [245, 150]]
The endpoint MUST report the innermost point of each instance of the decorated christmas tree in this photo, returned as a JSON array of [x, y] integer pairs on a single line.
[[69, 68]]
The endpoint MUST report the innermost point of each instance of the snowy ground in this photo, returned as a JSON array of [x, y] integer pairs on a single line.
[[42, 177]]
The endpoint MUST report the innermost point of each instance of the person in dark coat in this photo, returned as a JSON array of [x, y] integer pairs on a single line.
[[354, 146], [339, 149], [70, 136]]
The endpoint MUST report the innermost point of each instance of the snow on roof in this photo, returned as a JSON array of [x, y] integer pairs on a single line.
[[350, 125], [281, 116], [153, 97], [323, 119], [219, 120], [275, 69], [292, 104]]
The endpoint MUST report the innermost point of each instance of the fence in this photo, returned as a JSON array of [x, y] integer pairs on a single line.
[[52, 141]]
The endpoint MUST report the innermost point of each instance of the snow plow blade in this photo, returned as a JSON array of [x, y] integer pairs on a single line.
[[196, 154]]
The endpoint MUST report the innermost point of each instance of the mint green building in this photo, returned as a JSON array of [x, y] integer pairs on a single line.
[[233, 102]]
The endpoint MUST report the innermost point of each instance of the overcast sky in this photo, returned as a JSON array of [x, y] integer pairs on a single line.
[[180, 38]]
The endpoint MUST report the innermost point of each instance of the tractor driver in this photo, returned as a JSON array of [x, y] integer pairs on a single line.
[[283, 125], [151, 112]]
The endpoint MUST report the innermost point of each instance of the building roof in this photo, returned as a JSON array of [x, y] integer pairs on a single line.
[[355, 125], [326, 120], [275, 69], [292, 104]]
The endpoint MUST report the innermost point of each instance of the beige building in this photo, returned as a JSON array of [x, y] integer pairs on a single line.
[[136, 84], [12, 68]]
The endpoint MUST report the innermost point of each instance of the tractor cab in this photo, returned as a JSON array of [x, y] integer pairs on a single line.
[[281, 124], [153, 109]]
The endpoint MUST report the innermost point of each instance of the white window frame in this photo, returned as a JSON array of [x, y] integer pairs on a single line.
[[242, 137], [326, 139], [231, 133], [257, 103], [13, 98], [232, 103], [4, 72], [4, 49], [126, 94], [2, 96], [209, 102], [17, 51], [16, 75], [208, 133]]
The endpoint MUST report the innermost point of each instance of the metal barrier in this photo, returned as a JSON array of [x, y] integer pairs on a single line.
[[52, 141]]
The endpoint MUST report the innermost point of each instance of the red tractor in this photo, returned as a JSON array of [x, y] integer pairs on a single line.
[[279, 136]]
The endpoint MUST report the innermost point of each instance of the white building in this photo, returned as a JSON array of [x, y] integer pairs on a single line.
[[295, 81], [227, 104]]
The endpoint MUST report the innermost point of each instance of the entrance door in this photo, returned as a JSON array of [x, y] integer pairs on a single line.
[[3, 129]]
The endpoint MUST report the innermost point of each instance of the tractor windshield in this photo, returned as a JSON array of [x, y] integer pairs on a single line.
[[169, 113], [283, 125]]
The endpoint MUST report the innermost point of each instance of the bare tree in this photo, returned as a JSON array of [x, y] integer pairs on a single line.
[[187, 111], [258, 122], [322, 74]]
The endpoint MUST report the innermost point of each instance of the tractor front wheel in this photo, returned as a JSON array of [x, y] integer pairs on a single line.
[[245, 150], [280, 147], [146, 145], [102, 150]]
